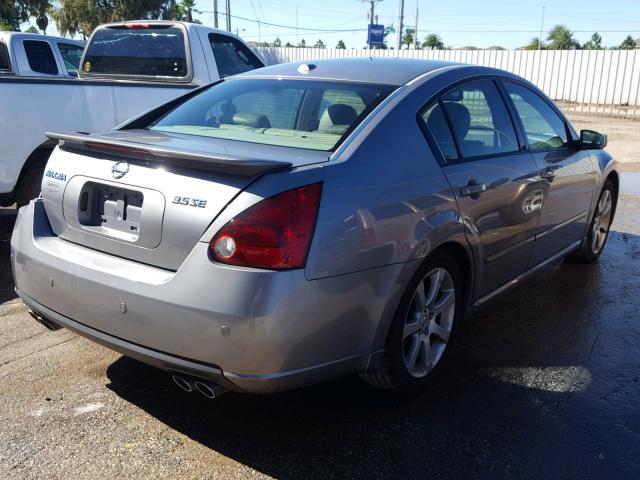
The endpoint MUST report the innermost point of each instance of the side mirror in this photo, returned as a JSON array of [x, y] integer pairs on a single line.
[[592, 140]]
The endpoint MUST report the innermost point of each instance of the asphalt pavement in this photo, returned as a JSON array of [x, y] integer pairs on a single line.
[[543, 383]]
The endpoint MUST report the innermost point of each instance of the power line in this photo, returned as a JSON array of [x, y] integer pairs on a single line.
[[292, 27]]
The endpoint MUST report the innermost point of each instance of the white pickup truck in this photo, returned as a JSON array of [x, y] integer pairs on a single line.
[[126, 69]]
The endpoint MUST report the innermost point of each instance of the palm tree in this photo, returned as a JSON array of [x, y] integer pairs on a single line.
[[407, 39], [628, 44], [535, 44], [595, 43], [433, 41], [561, 38]]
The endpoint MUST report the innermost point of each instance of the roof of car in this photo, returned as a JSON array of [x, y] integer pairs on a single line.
[[390, 71], [36, 36]]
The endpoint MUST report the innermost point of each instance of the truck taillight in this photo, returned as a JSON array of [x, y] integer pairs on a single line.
[[274, 233]]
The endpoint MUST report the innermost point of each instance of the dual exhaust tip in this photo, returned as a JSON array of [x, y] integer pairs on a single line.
[[208, 389], [48, 324]]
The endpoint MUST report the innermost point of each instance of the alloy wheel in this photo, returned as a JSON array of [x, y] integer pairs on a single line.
[[601, 222], [429, 322]]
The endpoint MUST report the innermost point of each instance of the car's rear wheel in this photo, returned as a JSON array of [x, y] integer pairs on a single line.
[[29, 186], [423, 327], [596, 237]]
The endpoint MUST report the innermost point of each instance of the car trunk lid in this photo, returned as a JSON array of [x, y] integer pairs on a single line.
[[149, 196]]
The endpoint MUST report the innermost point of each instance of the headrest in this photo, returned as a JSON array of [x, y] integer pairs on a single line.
[[342, 114], [256, 120]]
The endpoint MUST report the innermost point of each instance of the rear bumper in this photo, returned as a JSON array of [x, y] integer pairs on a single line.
[[286, 331]]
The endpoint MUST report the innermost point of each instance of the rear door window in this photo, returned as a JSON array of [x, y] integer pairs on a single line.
[[71, 54], [5, 64], [40, 57], [544, 128], [232, 56], [480, 120], [439, 128], [472, 121], [137, 50]]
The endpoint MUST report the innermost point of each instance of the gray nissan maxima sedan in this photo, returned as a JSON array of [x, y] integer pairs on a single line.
[[304, 221]]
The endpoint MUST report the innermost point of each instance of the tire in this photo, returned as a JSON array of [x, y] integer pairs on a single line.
[[594, 241], [29, 186], [429, 330]]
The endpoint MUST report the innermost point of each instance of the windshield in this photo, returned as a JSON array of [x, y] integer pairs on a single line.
[[291, 113], [138, 50]]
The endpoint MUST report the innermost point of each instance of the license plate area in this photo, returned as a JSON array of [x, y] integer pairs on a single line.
[[112, 211], [101, 212]]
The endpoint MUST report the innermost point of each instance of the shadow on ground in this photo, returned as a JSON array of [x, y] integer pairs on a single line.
[[544, 383]]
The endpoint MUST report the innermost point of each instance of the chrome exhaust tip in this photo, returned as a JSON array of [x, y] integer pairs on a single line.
[[48, 324], [209, 390], [183, 383]]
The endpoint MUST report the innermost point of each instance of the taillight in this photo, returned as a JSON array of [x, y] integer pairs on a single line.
[[274, 233]]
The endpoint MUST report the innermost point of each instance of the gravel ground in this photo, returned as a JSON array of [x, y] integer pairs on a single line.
[[624, 134], [543, 383]]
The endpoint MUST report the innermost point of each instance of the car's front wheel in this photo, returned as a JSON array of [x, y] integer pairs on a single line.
[[596, 237], [423, 327]]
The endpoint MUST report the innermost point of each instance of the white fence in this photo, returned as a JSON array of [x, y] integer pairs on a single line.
[[606, 80]]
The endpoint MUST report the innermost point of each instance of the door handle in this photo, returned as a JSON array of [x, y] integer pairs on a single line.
[[474, 189]]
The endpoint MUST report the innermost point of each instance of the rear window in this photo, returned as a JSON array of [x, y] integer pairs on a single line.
[[5, 65], [232, 56], [156, 51], [71, 54], [40, 57], [292, 113]]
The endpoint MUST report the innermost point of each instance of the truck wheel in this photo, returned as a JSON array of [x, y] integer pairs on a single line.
[[423, 327], [29, 186], [596, 237]]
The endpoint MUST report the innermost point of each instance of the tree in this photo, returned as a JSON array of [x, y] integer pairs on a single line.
[[302, 44], [433, 41], [535, 44], [31, 29], [341, 45], [277, 42], [561, 38], [319, 44], [5, 26], [289, 44], [13, 12], [407, 39], [628, 43], [83, 16], [595, 43]]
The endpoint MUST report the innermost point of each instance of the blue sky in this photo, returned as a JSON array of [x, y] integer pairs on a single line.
[[482, 23]]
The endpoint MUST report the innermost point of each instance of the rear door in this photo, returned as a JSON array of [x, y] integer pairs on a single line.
[[569, 173], [492, 176], [36, 58]]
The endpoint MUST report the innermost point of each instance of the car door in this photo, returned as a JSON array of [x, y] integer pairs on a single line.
[[568, 172], [492, 177]]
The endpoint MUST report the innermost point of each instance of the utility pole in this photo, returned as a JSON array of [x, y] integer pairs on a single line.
[[229, 16], [541, 30], [415, 33], [373, 11], [400, 25], [215, 13]]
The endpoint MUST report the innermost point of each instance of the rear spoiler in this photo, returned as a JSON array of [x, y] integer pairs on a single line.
[[232, 165]]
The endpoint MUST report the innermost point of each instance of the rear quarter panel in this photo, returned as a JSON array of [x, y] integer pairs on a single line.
[[387, 201]]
